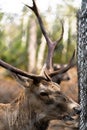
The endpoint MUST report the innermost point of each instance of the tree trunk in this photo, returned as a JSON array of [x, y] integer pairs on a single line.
[[65, 38], [32, 47], [82, 63], [41, 51]]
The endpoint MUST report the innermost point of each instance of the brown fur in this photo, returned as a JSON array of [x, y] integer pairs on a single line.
[[36, 105]]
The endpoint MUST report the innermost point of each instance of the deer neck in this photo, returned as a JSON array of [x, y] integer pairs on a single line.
[[41, 125], [27, 117]]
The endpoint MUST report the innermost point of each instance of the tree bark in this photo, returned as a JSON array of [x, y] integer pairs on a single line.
[[82, 63]]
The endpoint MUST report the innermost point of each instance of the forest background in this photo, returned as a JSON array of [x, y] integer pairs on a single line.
[[22, 43]]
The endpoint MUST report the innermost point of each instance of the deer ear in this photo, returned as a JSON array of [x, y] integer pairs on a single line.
[[25, 82]]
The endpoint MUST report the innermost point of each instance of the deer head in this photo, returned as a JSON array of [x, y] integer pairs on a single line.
[[47, 100], [40, 101]]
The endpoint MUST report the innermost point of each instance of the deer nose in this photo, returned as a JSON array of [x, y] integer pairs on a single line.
[[77, 110]]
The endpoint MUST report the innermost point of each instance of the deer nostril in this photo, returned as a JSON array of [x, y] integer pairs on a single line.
[[77, 110]]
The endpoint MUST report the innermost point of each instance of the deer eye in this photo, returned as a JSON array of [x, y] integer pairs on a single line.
[[43, 93], [64, 99]]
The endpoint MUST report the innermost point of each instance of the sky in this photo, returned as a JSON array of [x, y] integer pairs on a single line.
[[15, 6]]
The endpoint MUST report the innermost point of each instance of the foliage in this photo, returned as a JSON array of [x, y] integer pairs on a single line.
[[14, 35]]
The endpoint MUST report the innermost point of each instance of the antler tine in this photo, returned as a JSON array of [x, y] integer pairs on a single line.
[[35, 10], [20, 72], [51, 45], [65, 69], [61, 36], [72, 58]]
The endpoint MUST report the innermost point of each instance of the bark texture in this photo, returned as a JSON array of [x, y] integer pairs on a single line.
[[82, 63]]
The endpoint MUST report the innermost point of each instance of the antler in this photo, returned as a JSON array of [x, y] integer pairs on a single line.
[[20, 72], [65, 69], [48, 66], [51, 45]]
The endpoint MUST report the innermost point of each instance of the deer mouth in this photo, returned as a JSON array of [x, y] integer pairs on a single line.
[[68, 118]]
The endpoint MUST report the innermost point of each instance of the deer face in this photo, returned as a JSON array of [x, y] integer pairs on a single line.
[[48, 102]]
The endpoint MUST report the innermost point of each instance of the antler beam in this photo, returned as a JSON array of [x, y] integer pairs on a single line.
[[20, 72], [65, 69], [50, 43]]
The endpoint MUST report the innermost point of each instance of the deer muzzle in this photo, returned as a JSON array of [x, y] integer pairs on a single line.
[[77, 110]]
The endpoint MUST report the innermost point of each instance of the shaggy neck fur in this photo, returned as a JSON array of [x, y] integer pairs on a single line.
[[25, 117]]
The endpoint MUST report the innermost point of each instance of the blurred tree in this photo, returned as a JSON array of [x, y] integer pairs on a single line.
[[17, 38], [56, 32], [12, 37], [40, 57], [2, 41], [32, 45], [66, 12], [41, 42]]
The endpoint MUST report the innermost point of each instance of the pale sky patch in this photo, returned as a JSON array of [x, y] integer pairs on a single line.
[[15, 6]]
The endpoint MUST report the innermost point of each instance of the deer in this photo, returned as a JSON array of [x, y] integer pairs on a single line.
[[41, 99]]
